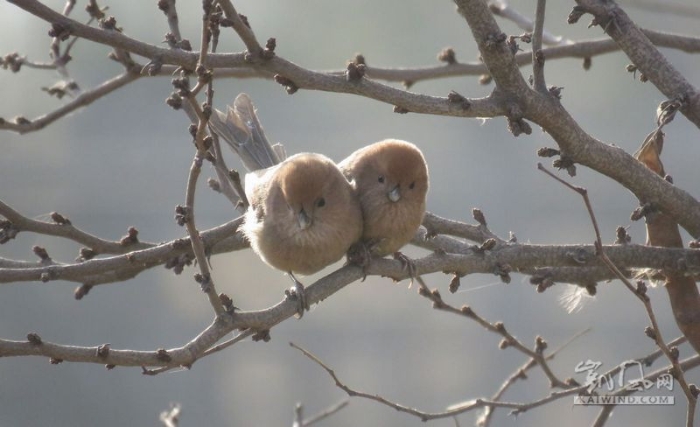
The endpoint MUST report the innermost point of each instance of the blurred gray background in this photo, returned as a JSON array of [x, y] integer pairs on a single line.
[[124, 161]]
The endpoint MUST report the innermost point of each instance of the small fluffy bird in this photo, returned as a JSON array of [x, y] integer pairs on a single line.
[[303, 216], [390, 179]]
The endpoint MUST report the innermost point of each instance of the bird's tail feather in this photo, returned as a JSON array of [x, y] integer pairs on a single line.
[[242, 130]]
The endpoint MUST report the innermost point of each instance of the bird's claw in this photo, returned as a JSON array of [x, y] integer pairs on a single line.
[[407, 264], [360, 254], [298, 293]]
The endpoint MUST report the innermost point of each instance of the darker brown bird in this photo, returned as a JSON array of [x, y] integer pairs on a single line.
[[390, 178]]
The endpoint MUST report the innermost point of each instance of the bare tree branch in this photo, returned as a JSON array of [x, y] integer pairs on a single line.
[[174, 254], [520, 374], [615, 22], [451, 242], [62, 227], [203, 144], [479, 403], [640, 292], [242, 27], [538, 57], [568, 263], [498, 328], [324, 414], [170, 11], [576, 145], [504, 10], [23, 125]]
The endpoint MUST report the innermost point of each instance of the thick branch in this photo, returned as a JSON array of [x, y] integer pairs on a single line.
[[495, 52], [332, 81], [575, 143], [187, 354], [301, 77], [453, 255], [123, 267], [614, 21]]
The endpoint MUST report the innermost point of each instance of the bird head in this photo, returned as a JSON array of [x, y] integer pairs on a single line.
[[305, 185], [397, 171]]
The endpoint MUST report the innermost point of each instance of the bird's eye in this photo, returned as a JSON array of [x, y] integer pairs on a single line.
[[413, 184], [381, 179], [321, 202]]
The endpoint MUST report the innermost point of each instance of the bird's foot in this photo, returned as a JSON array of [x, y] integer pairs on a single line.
[[407, 264], [360, 254], [298, 293]]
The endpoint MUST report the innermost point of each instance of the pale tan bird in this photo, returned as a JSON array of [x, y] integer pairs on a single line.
[[303, 215], [390, 178]]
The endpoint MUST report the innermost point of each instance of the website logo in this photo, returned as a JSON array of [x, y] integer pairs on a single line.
[[619, 391]]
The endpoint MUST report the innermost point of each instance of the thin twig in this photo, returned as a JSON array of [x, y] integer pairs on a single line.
[[479, 403], [325, 413], [238, 338], [477, 233], [85, 98], [174, 254], [206, 280], [687, 364], [424, 416], [504, 10], [538, 57], [497, 328], [62, 227], [485, 419], [643, 297], [242, 28], [170, 11]]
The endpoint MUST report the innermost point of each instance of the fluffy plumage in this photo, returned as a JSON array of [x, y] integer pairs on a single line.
[[303, 214], [390, 179]]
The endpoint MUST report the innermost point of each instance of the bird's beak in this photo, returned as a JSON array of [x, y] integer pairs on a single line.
[[394, 195], [304, 220]]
